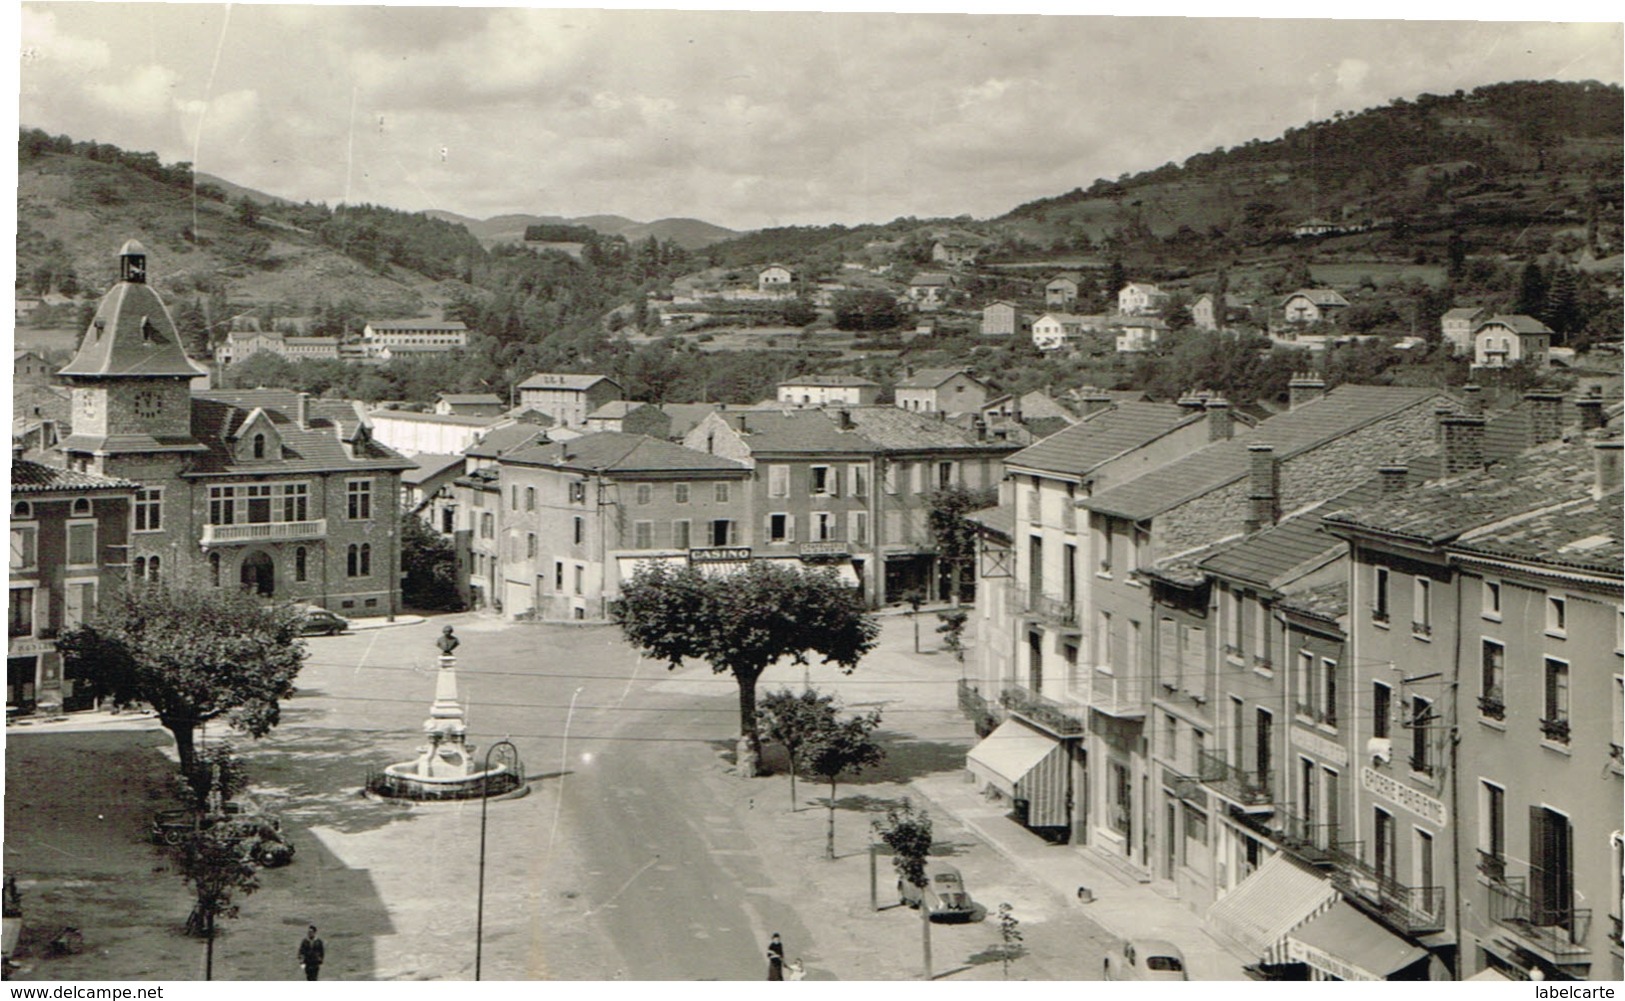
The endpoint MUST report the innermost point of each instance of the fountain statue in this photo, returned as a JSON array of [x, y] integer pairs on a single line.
[[445, 767]]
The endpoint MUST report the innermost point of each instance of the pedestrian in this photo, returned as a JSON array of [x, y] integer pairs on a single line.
[[311, 954], [797, 971], [775, 958]]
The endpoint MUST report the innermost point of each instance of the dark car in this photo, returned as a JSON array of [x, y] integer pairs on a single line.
[[944, 893], [1146, 959], [170, 827], [320, 622]]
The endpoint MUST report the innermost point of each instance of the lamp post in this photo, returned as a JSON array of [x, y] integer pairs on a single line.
[[508, 756]]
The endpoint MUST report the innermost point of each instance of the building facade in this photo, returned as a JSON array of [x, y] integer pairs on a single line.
[[1503, 341], [827, 390], [944, 390], [566, 397]]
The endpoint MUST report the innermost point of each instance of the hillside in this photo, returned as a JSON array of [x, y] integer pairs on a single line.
[[690, 234]]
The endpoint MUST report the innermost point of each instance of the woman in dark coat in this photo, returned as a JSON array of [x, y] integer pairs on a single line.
[[775, 958]]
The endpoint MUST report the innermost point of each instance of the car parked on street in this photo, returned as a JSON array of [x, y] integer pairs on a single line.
[[1145, 959], [320, 622], [944, 893], [258, 834]]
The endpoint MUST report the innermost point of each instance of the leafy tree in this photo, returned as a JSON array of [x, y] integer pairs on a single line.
[[263, 368], [428, 567], [1531, 290], [218, 769], [248, 212], [744, 623], [193, 653], [218, 866], [914, 598], [1010, 947], [1562, 307], [955, 536], [193, 328], [796, 722], [855, 310], [908, 834], [844, 746], [1116, 278], [953, 631]]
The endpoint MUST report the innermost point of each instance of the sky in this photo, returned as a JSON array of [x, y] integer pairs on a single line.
[[745, 120]]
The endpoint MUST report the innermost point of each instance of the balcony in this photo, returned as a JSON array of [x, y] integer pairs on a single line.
[[1491, 708], [1422, 766], [1412, 910], [1051, 715], [1558, 933], [267, 531], [1313, 843], [1119, 697], [1248, 790], [1614, 931], [1555, 730], [1305, 711], [1046, 608], [1492, 865], [973, 705]]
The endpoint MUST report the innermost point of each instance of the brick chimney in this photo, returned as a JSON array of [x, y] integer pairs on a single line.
[[1393, 477], [1592, 416], [1607, 454], [843, 419], [1093, 400], [1263, 488], [1472, 400], [1545, 415], [1440, 413], [1463, 443], [1304, 387], [1221, 423], [302, 412]]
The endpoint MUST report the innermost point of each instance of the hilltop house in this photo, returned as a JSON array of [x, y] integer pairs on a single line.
[[1136, 334], [567, 397], [1002, 318], [775, 278], [1506, 340], [387, 338], [1313, 305], [945, 390], [240, 345], [1457, 326], [1314, 227], [1062, 290], [929, 289], [956, 250], [469, 404], [1140, 299], [1054, 331], [1206, 315], [824, 390]]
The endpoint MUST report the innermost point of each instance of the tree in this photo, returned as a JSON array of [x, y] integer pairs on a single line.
[[218, 770], [218, 865], [953, 631], [1010, 947], [909, 836], [743, 623], [248, 212], [193, 653], [955, 536], [845, 746], [1531, 290], [796, 722], [428, 567], [914, 598], [857, 310]]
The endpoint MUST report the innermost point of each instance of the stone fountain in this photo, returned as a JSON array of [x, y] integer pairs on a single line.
[[445, 767]]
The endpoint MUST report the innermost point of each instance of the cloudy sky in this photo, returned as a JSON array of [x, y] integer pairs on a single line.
[[741, 119]]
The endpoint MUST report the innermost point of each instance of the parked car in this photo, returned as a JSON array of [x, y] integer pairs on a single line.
[[242, 823], [320, 622], [170, 827], [1145, 959], [944, 893]]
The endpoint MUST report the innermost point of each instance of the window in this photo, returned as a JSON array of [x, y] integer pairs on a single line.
[[530, 498], [259, 446], [580, 578], [24, 547], [513, 498], [1551, 869], [295, 501], [857, 528], [1142, 547], [82, 544], [21, 612], [680, 492], [580, 530], [1492, 600], [888, 477], [945, 475], [823, 527], [558, 576], [723, 532], [1379, 605], [1554, 722], [1132, 661], [1105, 545], [643, 535], [780, 528], [359, 496], [1491, 678], [823, 481], [1491, 829], [154, 568], [1103, 641], [258, 499], [1169, 744], [80, 602], [22, 509], [1233, 622], [1329, 797], [1304, 682], [1328, 691], [488, 526], [646, 493], [81, 506], [530, 545], [222, 505], [720, 493], [1422, 860], [149, 510], [1421, 608], [1421, 726], [1557, 615], [679, 534], [301, 565], [214, 569], [778, 481], [358, 560], [578, 491], [1035, 567], [1382, 852], [1381, 709], [857, 478], [479, 498]]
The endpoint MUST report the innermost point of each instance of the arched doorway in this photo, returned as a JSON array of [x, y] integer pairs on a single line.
[[259, 573]]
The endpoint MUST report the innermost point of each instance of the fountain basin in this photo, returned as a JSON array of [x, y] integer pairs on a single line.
[[401, 781]]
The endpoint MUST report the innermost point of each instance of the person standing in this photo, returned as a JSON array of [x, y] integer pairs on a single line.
[[311, 954], [797, 971], [775, 958]]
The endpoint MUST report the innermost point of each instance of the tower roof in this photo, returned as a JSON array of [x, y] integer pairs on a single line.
[[132, 335]]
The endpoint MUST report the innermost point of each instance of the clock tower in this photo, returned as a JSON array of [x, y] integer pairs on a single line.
[[131, 380]]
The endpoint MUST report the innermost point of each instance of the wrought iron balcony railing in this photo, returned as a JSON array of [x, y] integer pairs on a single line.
[[1490, 708], [1557, 931], [1263, 663], [1492, 865], [1248, 790], [1047, 607], [1314, 843], [1119, 696], [1046, 712], [1421, 629], [1411, 910], [1555, 730], [1614, 932], [1379, 615]]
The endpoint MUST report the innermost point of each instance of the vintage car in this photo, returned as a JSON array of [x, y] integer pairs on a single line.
[[242, 822], [320, 622], [1145, 959], [944, 893]]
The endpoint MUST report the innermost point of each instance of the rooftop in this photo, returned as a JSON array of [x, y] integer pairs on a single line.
[[1080, 448], [506, 438], [931, 378], [131, 335], [218, 415], [789, 431], [470, 398], [429, 465], [1319, 296], [932, 278], [35, 478], [617, 453], [421, 417], [1517, 323], [617, 409], [414, 325], [565, 380], [1583, 536], [829, 380], [1329, 602]]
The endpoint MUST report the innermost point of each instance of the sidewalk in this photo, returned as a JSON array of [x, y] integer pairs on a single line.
[[382, 622], [1121, 908]]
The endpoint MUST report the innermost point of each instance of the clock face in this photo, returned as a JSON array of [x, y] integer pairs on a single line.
[[148, 403]]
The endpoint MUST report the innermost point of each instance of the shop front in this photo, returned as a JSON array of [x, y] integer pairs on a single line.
[[1032, 770], [1344, 944]]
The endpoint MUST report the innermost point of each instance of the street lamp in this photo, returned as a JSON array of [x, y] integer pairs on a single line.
[[509, 755]]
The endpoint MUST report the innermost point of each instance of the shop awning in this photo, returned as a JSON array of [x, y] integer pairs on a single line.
[[1007, 755], [1350, 946], [1257, 915]]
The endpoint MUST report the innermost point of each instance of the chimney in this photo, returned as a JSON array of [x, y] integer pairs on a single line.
[[1221, 424], [1393, 477], [1608, 468], [1472, 400], [1263, 494], [980, 427], [1192, 402], [302, 414], [744, 424], [1440, 414], [1463, 443], [1093, 400], [843, 419], [1592, 416], [1545, 416], [1304, 387]]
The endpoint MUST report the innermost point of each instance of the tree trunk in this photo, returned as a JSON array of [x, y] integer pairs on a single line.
[[790, 749], [749, 753], [925, 931], [208, 944], [184, 731], [829, 842]]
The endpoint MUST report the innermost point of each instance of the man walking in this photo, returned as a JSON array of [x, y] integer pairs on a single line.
[[311, 954]]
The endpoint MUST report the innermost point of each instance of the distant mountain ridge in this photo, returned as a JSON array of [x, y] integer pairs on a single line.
[[690, 234]]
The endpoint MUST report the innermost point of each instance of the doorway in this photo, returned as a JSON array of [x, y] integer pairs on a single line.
[[258, 574]]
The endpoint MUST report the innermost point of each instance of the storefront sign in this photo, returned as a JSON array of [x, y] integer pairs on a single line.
[[1324, 962], [1314, 743], [1388, 788], [823, 549], [720, 554], [29, 648]]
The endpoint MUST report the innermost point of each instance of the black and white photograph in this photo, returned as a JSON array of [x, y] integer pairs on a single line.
[[608, 495]]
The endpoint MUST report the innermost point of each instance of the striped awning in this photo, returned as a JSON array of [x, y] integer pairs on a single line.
[[1281, 895], [1027, 764], [1346, 944]]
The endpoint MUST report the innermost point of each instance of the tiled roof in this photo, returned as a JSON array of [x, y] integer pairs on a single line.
[[1517, 323], [488, 398], [429, 465], [1067, 276], [419, 417], [1341, 411], [564, 380], [1327, 601], [614, 452], [999, 520], [895, 430], [1443, 510], [931, 278], [437, 325], [829, 380], [776, 431], [132, 334], [1463, 312], [1043, 427], [30, 402], [1080, 447], [507, 438], [34, 478], [1138, 321], [616, 409], [1585, 536], [1040, 404], [931, 378], [685, 415], [320, 447], [1319, 296]]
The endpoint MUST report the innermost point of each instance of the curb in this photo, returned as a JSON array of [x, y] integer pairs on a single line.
[[362, 625]]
